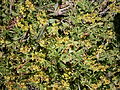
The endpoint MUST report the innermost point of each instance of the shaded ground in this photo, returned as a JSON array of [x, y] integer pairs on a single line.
[[117, 27]]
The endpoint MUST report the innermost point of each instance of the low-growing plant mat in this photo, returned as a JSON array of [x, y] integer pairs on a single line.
[[60, 45]]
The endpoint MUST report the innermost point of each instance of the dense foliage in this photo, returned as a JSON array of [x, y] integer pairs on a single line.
[[68, 45]]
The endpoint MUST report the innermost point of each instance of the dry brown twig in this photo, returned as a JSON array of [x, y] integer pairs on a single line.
[[61, 9], [11, 5]]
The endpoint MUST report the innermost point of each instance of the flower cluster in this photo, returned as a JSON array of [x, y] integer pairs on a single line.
[[29, 5]]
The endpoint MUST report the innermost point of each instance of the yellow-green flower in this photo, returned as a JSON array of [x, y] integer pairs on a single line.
[[34, 79], [64, 83], [7, 78], [94, 86], [115, 8], [22, 85], [19, 24], [1, 53], [2, 40], [21, 9], [38, 57], [9, 85], [27, 2], [25, 49], [41, 20], [87, 43], [105, 80], [25, 28], [29, 5], [41, 14], [54, 30], [2, 28], [35, 67], [103, 68]]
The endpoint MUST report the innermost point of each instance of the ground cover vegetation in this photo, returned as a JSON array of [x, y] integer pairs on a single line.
[[59, 45]]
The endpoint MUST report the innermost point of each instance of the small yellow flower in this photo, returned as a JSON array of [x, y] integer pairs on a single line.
[[27, 2], [43, 21], [107, 81], [101, 46], [111, 33], [66, 32], [69, 73], [59, 40], [30, 27], [12, 56], [100, 50], [87, 43], [25, 49], [55, 24], [103, 68], [34, 67], [47, 79], [2, 28], [7, 77], [99, 83], [21, 9], [20, 25], [54, 29], [42, 42], [94, 86], [64, 83], [2, 41], [115, 8], [38, 57], [34, 79], [66, 75], [118, 70], [9, 85], [25, 28], [32, 7], [87, 62], [1, 53], [112, 0], [22, 85], [89, 18], [58, 45], [94, 67], [65, 39], [41, 14], [29, 5]]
